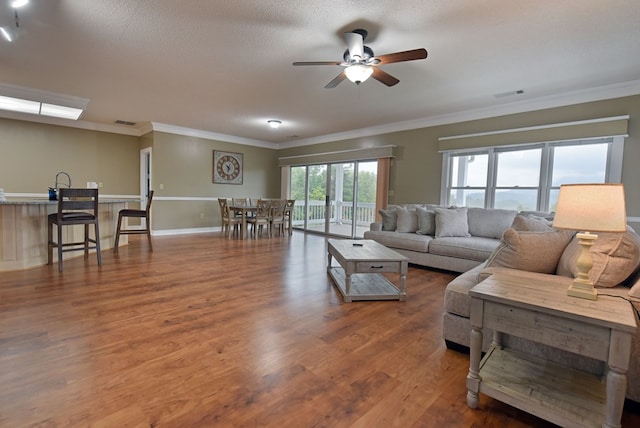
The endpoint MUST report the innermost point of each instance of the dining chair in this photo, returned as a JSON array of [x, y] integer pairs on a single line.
[[75, 207], [262, 217], [239, 202], [277, 216], [228, 219], [288, 214], [142, 214]]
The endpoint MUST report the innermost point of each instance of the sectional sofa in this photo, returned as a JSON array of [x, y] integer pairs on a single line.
[[523, 244], [454, 239], [532, 249]]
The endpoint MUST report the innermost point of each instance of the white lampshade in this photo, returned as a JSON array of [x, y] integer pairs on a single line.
[[591, 207], [358, 73]]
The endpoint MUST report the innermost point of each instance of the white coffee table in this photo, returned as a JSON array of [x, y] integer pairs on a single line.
[[361, 262]]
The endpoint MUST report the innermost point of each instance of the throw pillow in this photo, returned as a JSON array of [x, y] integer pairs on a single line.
[[531, 223], [530, 251], [426, 222], [489, 223], [451, 222], [389, 219], [615, 257], [407, 220]]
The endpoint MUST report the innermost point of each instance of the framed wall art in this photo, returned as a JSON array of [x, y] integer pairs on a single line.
[[227, 167]]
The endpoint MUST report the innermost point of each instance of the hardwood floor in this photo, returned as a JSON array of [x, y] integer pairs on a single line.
[[208, 332]]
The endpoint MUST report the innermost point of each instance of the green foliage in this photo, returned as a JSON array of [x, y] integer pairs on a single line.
[[318, 182]]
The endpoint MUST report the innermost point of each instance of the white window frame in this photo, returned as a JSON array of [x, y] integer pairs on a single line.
[[613, 173]]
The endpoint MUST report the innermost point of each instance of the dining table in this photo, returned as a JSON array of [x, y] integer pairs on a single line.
[[244, 211]]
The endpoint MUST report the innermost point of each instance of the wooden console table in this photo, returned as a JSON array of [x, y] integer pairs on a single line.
[[544, 313], [361, 262]]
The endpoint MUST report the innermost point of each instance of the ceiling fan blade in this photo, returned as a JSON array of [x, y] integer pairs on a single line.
[[384, 77], [355, 44], [317, 63], [402, 56], [339, 78]]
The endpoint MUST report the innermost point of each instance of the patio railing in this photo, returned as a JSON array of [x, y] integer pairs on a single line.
[[339, 212]]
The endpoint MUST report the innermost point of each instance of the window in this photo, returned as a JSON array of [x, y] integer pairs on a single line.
[[517, 179], [468, 179], [527, 177]]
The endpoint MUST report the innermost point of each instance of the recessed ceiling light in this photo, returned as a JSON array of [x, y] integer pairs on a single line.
[[274, 123]]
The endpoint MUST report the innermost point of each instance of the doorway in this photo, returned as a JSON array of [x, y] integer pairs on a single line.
[[335, 199], [145, 178]]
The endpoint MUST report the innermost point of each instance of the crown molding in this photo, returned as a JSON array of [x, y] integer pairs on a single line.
[[618, 90], [550, 101], [189, 132]]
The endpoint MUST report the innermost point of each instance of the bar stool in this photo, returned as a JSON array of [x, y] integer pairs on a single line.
[[75, 206], [145, 214]]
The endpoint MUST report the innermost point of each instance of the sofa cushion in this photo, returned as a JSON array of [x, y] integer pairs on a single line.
[[451, 222], [489, 223], [470, 247], [456, 295], [615, 257], [389, 219], [407, 220], [542, 214], [530, 251], [405, 241], [426, 221], [531, 223]]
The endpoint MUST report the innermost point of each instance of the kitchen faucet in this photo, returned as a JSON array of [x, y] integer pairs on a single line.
[[68, 180]]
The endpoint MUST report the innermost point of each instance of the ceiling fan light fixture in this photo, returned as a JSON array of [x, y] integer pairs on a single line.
[[274, 123], [16, 4], [358, 73]]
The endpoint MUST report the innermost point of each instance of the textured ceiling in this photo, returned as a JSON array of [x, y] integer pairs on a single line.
[[225, 66]]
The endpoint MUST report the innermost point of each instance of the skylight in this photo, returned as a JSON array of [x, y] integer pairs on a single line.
[[33, 101]]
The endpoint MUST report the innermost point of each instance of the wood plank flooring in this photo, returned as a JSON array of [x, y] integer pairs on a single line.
[[210, 332]]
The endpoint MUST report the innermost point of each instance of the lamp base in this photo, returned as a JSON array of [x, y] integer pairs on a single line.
[[583, 290]]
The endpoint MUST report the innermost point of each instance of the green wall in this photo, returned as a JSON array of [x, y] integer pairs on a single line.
[[31, 154], [184, 167], [416, 170]]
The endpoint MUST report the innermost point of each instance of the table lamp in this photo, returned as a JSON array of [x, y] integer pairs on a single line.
[[589, 208]]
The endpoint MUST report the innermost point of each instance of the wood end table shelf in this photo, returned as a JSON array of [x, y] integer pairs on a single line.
[[361, 263], [543, 313]]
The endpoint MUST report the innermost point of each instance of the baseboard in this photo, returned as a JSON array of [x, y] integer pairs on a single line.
[[167, 232]]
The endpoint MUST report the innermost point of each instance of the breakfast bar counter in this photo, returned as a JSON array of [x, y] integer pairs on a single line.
[[23, 230]]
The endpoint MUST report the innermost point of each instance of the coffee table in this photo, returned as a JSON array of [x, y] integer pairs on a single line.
[[361, 262]]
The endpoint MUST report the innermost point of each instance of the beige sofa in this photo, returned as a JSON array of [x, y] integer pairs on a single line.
[[534, 250], [454, 239]]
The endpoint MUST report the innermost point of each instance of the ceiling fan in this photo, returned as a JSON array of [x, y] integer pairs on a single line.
[[361, 63]]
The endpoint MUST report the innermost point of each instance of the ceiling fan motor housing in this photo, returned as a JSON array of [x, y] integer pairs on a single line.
[[368, 54]]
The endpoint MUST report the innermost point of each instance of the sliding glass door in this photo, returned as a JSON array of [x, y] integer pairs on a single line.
[[334, 199]]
